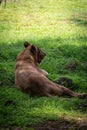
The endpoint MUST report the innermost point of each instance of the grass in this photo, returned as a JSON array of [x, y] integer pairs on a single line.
[[58, 28], [21, 110]]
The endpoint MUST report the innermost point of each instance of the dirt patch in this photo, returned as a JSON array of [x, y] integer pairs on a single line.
[[61, 124], [58, 125], [71, 66]]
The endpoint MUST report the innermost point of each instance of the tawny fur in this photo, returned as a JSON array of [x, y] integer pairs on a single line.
[[32, 80]]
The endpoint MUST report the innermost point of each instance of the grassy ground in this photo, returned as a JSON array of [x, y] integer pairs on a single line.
[[60, 29]]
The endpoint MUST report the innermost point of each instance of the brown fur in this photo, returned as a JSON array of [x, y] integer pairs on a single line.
[[32, 80]]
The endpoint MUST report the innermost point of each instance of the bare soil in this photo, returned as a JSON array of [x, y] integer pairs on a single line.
[[55, 125]]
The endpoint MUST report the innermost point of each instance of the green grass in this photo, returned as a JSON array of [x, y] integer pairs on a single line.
[[24, 110], [60, 29]]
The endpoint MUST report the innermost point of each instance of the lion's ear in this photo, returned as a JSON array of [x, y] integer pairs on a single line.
[[33, 49], [26, 44]]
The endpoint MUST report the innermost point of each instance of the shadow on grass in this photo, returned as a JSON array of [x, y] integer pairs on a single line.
[[59, 52], [18, 109]]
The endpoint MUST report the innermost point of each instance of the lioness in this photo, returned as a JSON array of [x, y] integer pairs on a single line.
[[32, 80]]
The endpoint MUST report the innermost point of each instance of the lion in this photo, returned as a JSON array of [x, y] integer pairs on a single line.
[[30, 79]]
